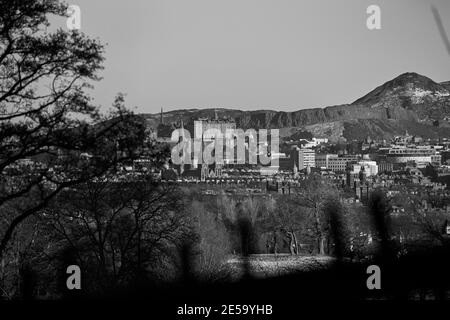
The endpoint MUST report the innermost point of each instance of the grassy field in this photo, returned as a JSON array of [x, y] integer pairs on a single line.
[[270, 265]]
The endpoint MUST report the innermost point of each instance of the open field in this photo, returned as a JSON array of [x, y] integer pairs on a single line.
[[271, 265]]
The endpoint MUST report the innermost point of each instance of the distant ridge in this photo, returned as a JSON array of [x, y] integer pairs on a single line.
[[410, 102]]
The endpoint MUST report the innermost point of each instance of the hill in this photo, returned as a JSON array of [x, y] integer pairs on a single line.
[[409, 102]]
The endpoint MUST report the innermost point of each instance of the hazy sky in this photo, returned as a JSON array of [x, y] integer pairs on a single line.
[[254, 54]]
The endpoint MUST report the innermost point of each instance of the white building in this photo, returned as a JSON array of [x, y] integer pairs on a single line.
[[421, 155], [315, 142], [303, 158], [334, 162], [370, 167]]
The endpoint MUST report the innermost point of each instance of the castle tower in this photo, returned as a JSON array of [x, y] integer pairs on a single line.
[[362, 175], [218, 170], [349, 176], [204, 172]]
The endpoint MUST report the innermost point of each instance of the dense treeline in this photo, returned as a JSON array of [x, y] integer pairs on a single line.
[[123, 231]]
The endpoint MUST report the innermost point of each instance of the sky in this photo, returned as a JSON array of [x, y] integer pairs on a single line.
[[258, 54]]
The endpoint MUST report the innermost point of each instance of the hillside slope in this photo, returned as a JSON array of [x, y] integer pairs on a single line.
[[409, 102]]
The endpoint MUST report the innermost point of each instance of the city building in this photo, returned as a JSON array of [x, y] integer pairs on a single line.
[[200, 126], [420, 155], [385, 166], [370, 168], [322, 160], [285, 163], [339, 163], [303, 158], [314, 142], [203, 124]]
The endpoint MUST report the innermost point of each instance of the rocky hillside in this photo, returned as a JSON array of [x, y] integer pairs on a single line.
[[409, 102]]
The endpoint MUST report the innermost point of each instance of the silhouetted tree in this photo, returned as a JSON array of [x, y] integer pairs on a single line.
[[314, 193], [122, 228], [213, 242], [46, 118]]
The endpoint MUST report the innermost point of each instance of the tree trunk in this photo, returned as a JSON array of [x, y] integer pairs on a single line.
[[291, 243], [274, 239], [328, 245], [320, 238], [295, 243], [321, 245]]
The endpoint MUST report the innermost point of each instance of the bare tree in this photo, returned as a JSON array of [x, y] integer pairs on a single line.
[[119, 227], [426, 220], [281, 224], [314, 193], [213, 245], [46, 117]]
